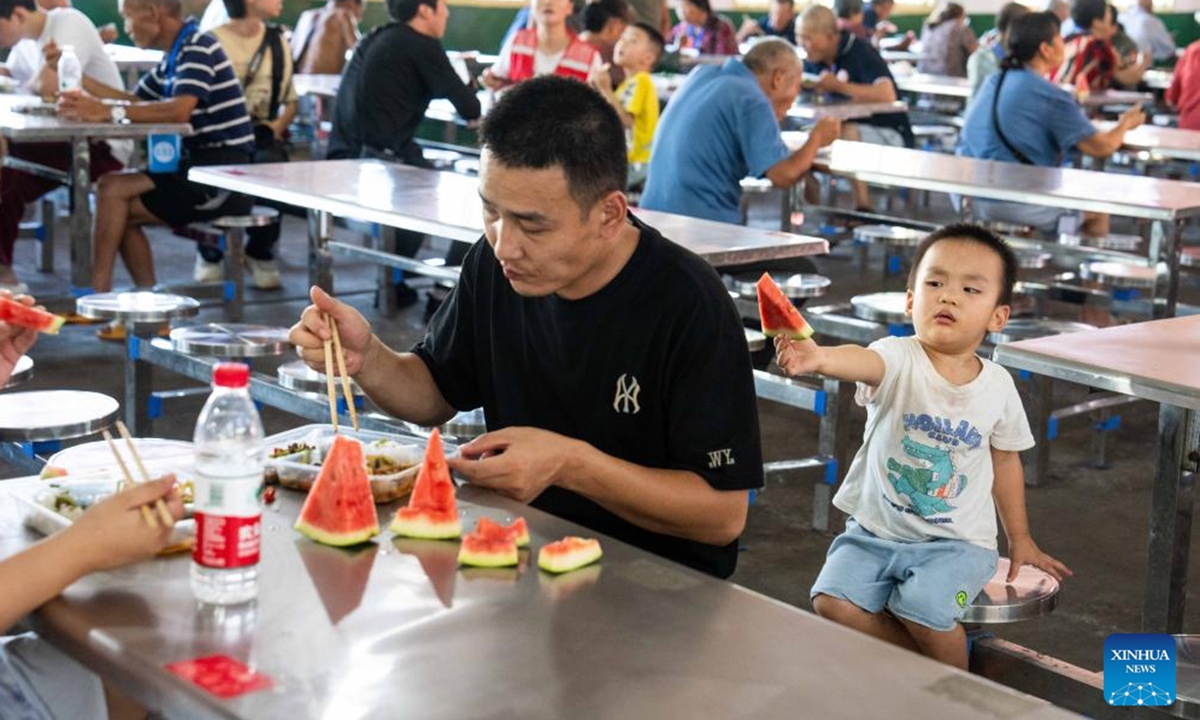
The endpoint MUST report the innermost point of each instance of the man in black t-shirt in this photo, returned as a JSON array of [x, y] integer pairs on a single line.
[[610, 363]]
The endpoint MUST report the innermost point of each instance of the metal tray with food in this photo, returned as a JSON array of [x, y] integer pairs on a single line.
[[294, 459], [54, 504]]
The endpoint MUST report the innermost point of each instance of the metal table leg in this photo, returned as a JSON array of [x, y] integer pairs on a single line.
[[138, 378], [1037, 394], [384, 286], [1171, 519], [320, 262], [81, 215], [1166, 244]]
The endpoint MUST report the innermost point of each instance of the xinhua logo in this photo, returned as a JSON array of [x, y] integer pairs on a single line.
[[1139, 669]]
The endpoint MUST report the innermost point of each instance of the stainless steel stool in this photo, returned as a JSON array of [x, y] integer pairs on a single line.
[[1034, 593], [142, 314], [441, 159], [799, 286], [1126, 281], [37, 421], [898, 243], [231, 340], [888, 308], [1032, 259], [297, 375]]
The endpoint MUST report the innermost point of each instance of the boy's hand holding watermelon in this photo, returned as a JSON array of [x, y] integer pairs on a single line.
[[797, 357]]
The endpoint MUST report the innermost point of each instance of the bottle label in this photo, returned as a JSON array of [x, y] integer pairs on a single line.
[[228, 521]]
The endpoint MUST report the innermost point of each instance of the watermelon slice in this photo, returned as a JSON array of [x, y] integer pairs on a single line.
[[779, 316], [570, 553], [480, 550], [517, 531], [432, 512], [14, 313], [339, 509]]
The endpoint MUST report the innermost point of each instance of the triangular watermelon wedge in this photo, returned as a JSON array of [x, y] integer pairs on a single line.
[[432, 511], [339, 509], [779, 316], [14, 313]]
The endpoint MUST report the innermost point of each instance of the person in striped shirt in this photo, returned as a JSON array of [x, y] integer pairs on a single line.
[[194, 83]]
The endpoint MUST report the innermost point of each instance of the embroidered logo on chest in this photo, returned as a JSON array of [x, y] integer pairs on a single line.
[[626, 399]]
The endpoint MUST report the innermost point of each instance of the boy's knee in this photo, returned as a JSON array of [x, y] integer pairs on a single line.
[[834, 608]]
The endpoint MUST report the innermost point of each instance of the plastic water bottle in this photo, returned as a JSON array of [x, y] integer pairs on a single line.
[[70, 72], [229, 470]]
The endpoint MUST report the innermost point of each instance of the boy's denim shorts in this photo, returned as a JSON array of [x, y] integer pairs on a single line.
[[930, 583], [37, 682]]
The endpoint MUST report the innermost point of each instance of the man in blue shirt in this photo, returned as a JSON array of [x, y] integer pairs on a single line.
[[850, 69], [1019, 116], [722, 126], [780, 21], [194, 83]]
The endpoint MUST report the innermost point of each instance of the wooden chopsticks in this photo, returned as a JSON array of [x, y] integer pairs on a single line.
[[159, 505], [333, 347]]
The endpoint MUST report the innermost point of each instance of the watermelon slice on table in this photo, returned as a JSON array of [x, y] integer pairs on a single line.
[[339, 509], [488, 551], [14, 313], [432, 511], [517, 530], [779, 316], [570, 553]]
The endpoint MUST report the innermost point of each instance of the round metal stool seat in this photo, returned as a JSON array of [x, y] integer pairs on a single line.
[[1118, 275], [890, 235], [40, 415], [885, 307], [795, 287], [467, 166], [465, 426], [1030, 328], [136, 307], [259, 217], [230, 340], [755, 340], [296, 375], [22, 372], [1028, 259], [441, 159], [1032, 594], [1190, 256]]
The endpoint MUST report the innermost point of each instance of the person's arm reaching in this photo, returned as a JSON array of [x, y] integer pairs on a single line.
[[852, 363], [788, 171], [521, 462], [399, 383], [109, 535], [81, 107], [1008, 490], [1103, 144]]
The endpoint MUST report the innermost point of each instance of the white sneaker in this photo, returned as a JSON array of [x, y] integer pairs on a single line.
[[264, 274], [207, 272]]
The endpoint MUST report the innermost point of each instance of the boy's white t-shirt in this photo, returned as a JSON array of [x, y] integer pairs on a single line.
[[924, 470]]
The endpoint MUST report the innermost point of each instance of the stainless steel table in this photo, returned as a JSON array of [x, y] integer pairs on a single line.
[[942, 85], [447, 205], [1112, 97], [23, 127], [809, 110], [1158, 79], [133, 61], [394, 630], [1167, 204], [1156, 361], [1161, 143]]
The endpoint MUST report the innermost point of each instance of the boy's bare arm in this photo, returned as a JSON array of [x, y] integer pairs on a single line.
[[1008, 490], [852, 363]]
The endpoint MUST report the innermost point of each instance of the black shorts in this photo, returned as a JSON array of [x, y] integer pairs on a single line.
[[178, 202]]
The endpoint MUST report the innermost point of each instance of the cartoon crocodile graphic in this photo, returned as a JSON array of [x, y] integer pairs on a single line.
[[926, 487]]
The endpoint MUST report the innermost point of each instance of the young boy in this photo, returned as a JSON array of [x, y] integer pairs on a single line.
[[939, 455], [635, 100]]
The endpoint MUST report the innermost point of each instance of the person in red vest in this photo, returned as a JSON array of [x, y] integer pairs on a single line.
[[548, 48]]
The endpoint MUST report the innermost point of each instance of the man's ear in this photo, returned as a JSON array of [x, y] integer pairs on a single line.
[[613, 209]]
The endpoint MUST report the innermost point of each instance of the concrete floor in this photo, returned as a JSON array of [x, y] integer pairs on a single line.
[[1094, 520]]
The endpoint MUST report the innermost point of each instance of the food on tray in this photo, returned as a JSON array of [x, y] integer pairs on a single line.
[[339, 510], [432, 511], [63, 502], [14, 313], [570, 553], [300, 452], [492, 544], [391, 466], [779, 316]]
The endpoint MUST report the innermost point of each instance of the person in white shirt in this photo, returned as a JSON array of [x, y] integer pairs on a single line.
[[939, 455], [37, 38], [1147, 30], [215, 15]]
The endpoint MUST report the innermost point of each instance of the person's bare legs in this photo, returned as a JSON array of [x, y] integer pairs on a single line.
[[948, 646], [135, 248], [117, 208], [862, 197], [1095, 225], [879, 625]]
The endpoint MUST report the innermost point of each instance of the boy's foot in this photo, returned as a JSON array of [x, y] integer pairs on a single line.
[[205, 271], [264, 274]]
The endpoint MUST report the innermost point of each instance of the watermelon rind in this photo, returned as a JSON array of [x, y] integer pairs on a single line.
[[472, 554], [569, 554], [426, 525], [335, 539]]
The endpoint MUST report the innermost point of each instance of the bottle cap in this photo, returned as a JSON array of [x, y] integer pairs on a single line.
[[231, 375]]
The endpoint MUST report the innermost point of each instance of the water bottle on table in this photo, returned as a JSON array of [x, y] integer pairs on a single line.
[[70, 72], [229, 470]]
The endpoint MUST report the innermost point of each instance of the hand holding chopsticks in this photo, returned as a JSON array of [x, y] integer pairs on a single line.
[[159, 505], [333, 347]]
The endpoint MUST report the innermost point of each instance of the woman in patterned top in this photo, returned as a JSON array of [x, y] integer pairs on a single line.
[[703, 30], [1089, 51]]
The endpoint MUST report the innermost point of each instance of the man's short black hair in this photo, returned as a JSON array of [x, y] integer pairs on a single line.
[[656, 38], [846, 9], [597, 14], [405, 10], [236, 9], [978, 234], [554, 121], [1085, 12], [7, 7]]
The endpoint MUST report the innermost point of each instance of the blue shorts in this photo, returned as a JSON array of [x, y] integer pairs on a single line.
[[930, 583]]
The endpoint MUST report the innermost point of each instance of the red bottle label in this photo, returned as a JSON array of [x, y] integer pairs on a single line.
[[227, 542]]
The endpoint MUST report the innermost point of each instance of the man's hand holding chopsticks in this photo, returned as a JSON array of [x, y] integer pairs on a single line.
[[309, 335]]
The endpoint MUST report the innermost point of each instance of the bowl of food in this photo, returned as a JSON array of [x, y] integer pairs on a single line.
[[294, 459]]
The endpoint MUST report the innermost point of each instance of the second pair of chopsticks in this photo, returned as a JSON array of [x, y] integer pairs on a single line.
[[333, 347], [159, 505]]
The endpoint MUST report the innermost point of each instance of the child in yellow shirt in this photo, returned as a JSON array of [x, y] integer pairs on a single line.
[[635, 100]]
